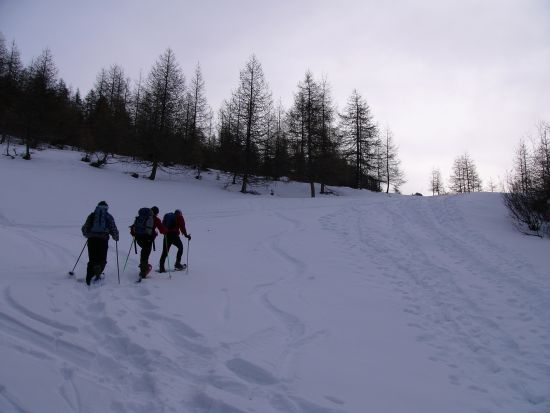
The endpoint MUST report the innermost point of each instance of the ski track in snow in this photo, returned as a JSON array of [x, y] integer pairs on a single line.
[[251, 380], [457, 319]]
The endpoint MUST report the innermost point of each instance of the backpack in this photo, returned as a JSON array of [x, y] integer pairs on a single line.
[[144, 222], [169, 220], [100, 225]]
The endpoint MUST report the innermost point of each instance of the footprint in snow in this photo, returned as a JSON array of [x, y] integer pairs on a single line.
[[250, 372]]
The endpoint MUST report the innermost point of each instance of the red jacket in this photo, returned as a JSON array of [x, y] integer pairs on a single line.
[[180, 225], [157, 224]]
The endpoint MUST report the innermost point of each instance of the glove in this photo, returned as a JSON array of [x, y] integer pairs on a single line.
[[188, 237], [116, 238]]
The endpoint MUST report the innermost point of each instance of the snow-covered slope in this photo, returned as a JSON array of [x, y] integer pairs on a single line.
[[354, 303]]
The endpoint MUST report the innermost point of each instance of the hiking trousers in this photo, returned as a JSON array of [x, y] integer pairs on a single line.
[[97, 257], [146, 245], [172, 238]]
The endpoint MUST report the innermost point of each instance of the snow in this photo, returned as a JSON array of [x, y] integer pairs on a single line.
[[350, 303]]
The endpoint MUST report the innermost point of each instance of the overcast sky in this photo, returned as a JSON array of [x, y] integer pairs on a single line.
[[447, 77]]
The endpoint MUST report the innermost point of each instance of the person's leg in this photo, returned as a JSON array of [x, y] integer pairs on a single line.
[[102, 248], [179, 246], [91, 255], [146, 245], [165, 248], [96, 258]]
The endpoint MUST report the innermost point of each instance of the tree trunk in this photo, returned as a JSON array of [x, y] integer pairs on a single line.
[[154, 171], [8, 146], [27, 147]]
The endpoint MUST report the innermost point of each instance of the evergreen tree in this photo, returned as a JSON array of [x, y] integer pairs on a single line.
[[306, 127], [393, 175], [281, 159], [359, 141], [11, 92], [197, 118], [254, 102], [230, 144], [39, 99], [160, 110], [464, 176], [107, 114], [3, 54], [328, 146], [436, 182]]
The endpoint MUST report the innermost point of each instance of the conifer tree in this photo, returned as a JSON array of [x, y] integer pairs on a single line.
[[464, 176], [358, 140], [306, 128], [160, 110], [393, 174], [254, 102], [39, 95], [327, 144], [11, 70], [198, 115], [436, 182]]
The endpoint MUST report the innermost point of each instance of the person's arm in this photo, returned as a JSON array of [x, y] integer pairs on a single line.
[[113, 230], [181, 226], [160, 226], [87, 225]]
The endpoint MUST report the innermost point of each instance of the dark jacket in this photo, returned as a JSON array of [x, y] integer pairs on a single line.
[[157, 225], [111, 229]]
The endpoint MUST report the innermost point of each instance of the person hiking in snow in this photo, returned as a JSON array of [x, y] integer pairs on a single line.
[[97, 228], [175, 223], [144, 231]]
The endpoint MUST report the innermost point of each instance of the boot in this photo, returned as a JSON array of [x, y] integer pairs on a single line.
[[178, 266], [143, 269], [161, 266], [89, 273]]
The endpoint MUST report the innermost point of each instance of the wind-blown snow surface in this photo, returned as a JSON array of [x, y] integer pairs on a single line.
[[354, 303]]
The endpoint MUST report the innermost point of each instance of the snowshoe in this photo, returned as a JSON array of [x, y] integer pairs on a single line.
[[144, 272]]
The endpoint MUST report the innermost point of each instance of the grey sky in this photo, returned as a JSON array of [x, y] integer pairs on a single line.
[[446, 76]]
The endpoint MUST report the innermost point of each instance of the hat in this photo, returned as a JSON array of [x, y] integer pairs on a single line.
[[177, 212], [155, 210], [102, 203]]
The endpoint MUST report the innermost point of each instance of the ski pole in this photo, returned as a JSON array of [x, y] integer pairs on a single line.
[[167, 256], [128, 256], [187, 265], [154, 246], [78, 259], [117, 266]]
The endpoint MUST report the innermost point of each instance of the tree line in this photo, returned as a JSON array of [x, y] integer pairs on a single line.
[[464, 178], [526, 193], [164, 119], [527, 196]]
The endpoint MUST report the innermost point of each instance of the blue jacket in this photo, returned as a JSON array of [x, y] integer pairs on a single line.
[[111, 229]]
